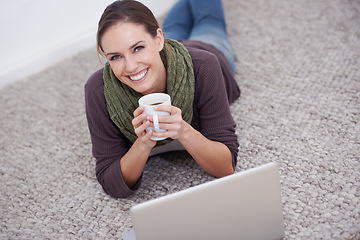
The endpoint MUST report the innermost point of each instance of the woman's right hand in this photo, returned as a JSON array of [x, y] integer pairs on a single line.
[[133, 162], [140, 123]]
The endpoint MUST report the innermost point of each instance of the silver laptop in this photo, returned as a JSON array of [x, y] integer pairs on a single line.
[[245, 205]]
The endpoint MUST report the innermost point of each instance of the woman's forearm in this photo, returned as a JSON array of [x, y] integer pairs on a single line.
[[133, 162], [214, 157]]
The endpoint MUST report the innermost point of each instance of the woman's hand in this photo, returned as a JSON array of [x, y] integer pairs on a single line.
[[214, 157], [173, 123], [140, 123], [133, 162]]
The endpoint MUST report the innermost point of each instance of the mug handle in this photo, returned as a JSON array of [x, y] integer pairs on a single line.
[[156, 122]]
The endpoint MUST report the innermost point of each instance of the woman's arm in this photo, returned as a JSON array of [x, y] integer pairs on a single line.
[[110, 147], [214, 157], [133, 162], [211, 138]]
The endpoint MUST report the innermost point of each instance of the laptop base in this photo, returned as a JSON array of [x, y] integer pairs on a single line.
[[130, 235]]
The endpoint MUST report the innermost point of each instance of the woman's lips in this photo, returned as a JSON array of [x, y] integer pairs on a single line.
[[139, 76]]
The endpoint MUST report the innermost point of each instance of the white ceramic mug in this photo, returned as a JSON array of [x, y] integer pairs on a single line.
[[149, 102]]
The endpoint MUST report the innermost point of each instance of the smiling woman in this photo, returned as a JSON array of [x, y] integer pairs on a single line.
[[194, 65], [134, 56]]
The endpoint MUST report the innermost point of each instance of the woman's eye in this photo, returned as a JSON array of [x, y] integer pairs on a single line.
[[114, 57], [138, 48]]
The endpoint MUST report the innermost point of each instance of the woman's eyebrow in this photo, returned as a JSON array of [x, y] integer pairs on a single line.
[[113, 53], [132, 46]]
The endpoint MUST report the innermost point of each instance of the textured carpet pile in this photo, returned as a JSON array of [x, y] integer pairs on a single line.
[[298, 65]]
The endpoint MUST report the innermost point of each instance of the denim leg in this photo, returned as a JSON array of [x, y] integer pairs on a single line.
[[209, 26], [178, 22]]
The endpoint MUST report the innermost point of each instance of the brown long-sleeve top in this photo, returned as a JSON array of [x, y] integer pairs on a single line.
[[215, 88]]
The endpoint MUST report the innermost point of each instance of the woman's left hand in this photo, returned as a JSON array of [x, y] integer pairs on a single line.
[[173, 123], [214, 157]]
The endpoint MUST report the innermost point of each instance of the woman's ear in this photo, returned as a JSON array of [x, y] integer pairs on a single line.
[[160, 38]]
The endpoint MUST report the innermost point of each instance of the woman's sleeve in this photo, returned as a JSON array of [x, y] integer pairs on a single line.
[[108, 143], [211, 107]]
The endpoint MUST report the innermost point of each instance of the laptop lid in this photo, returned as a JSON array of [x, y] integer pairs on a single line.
[[244, 205]]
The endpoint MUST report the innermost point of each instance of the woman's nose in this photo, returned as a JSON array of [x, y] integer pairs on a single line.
[[130, 64]]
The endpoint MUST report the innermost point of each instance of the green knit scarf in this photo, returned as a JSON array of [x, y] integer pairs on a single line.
[[121, 100]]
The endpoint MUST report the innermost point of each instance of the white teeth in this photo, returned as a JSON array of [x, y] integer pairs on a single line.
[[139, 76]]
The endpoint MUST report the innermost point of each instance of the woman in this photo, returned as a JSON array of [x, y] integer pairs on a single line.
[[197, 73]]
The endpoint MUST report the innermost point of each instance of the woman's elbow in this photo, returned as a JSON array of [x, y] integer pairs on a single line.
[[115, 190]]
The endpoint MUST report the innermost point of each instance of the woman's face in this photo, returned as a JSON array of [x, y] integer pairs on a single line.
[[134, 56]]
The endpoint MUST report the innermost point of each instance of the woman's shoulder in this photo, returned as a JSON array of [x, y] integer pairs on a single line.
[[203, 53], [198, 50], [203, 60], [210, 65], [95, 80]]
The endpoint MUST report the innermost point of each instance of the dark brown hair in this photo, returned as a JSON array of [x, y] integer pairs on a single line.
[[126, 11]]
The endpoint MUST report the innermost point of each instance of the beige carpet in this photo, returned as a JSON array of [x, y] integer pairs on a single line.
[[298, 65]]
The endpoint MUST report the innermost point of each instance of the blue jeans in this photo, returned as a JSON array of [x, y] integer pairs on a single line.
[[201, 20]]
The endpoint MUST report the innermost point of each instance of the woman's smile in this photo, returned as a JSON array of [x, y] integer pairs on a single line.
[[139, 76]]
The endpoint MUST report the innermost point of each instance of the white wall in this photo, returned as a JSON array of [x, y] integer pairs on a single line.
[[35, 34]]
